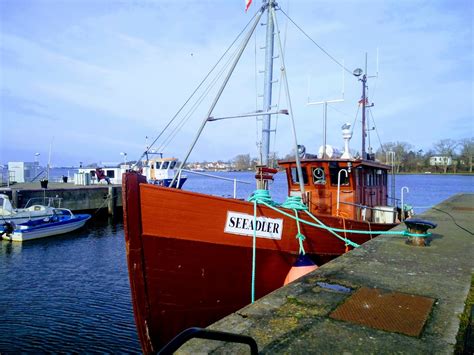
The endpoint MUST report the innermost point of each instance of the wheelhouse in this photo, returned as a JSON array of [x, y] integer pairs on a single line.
[[162, 168], [354, 189]]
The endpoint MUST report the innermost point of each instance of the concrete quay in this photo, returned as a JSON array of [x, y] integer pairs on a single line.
[[314, 314], [74, 197]]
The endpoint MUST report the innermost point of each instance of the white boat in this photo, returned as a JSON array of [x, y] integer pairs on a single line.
[[32, 211], [62, 221], [161, 171]]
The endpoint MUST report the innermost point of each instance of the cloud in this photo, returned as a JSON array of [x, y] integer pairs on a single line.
[[121, 70]]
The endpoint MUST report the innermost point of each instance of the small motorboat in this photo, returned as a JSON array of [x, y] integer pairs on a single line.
[[32, 211], [62, 221]]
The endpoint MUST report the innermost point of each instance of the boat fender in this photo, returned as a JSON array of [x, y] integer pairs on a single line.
[[301, 267], [8, 228]]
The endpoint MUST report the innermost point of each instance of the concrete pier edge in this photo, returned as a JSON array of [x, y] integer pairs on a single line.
[[295, 318], [74, 197]]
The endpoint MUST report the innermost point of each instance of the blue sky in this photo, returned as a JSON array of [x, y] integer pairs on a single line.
[[95, 77]]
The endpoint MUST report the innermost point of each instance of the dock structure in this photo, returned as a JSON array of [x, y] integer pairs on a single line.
[[74, 197], [384, 297]]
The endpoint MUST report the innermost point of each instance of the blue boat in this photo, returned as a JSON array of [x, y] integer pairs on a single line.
[[62, 221]]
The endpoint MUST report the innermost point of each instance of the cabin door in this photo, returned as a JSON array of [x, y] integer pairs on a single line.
[[321, 201]]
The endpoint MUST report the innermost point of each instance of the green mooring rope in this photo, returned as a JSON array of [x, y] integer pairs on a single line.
[[254, 249], [296, 204], [262, 196]]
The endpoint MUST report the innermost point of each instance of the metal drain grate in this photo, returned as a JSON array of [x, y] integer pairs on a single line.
[[386, 310]]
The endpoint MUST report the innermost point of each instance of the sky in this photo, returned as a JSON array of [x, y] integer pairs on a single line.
[[89, 79]]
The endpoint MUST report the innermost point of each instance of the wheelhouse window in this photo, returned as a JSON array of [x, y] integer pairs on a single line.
[[319, 176], [173, 164], [165, 164], [334, 171], [381, 177], [294, 175], [110, 174]]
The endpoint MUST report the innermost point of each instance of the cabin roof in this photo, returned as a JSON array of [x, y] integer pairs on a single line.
[[354, 162], [163, 159]]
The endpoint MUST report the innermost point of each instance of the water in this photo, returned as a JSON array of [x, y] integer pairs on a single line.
[[71, 293], [68, 293]]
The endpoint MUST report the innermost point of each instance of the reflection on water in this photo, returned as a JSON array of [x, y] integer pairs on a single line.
[[8, 249], [68, 293]]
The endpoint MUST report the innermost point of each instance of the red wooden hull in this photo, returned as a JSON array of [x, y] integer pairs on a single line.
[[185, 270]]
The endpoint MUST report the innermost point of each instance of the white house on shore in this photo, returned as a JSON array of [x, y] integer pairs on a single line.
[[440, 160]]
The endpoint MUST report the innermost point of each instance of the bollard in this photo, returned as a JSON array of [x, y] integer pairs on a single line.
[[112, 201], [420, 227]]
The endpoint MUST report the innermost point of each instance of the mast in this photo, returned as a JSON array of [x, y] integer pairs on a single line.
[[267, 89], [364, 102]]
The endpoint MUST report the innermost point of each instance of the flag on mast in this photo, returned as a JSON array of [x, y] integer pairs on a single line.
[[247, 4]]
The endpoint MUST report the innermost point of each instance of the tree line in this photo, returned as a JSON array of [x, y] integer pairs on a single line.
[[445, 156]]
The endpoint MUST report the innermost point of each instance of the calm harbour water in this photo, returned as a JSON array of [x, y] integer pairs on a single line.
[[71, 293]]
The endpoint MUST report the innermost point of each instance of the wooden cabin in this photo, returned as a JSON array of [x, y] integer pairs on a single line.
[[362, 195]]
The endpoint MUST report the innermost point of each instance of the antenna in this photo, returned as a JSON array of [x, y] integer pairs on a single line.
[[49, 157], [364, 101], [325, 116]]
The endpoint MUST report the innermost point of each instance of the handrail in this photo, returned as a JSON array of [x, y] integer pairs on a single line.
[[38, 175], [235, 181], [202, 333], [216, 176], [51, 201], [363, 206]]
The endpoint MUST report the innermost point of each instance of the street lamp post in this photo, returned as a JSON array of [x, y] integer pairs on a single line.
[[124, 157], [36, 162]]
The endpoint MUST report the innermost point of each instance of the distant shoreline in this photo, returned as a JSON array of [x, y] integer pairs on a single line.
[[463, 174]]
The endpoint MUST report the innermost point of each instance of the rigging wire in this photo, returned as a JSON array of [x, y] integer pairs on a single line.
[[197, 88], [196, 104], [355, 118], [317, 45], [257, 130], [285, 36], [288, 99], [376, 131], [340, 111]]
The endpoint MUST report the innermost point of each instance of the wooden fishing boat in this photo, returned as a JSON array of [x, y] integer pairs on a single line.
[[195, 258]]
